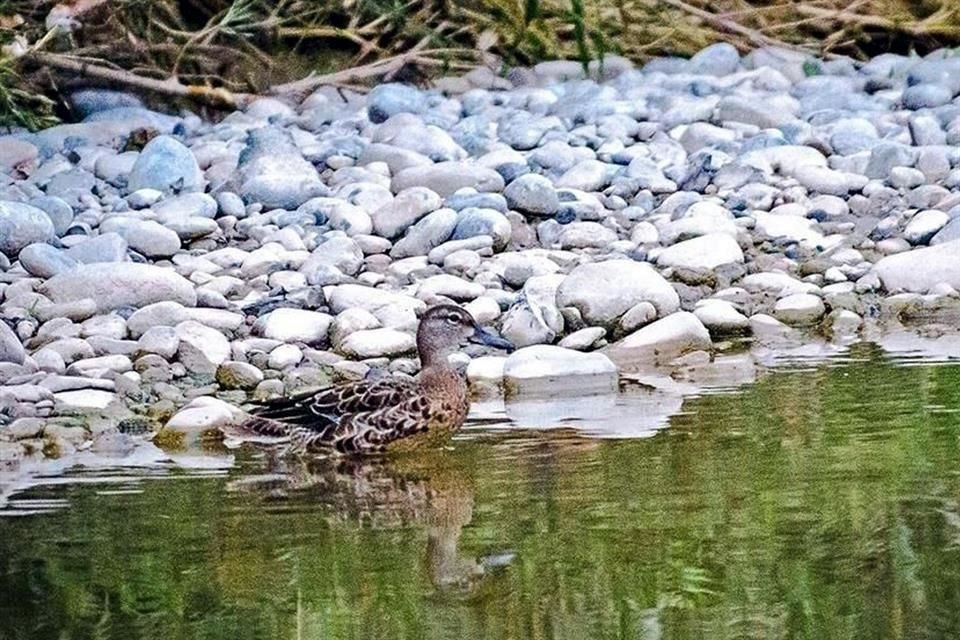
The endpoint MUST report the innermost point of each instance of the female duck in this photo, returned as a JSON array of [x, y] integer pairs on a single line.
[[366, 416]]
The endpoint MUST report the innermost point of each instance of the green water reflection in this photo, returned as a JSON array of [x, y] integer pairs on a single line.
[[815, 504]]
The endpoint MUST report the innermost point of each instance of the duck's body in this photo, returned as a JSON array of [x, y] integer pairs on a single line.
[[367, 416]]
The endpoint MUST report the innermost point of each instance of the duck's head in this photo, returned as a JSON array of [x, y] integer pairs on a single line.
[[445, 327]]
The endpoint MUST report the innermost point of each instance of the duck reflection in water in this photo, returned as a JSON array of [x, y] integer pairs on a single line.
[[434, 492]]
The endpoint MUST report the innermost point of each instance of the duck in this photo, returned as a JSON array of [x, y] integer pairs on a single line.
[[374, 415]]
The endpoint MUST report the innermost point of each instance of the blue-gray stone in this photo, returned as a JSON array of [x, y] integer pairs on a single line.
[[230, 204], [886, 156], [483, 222], [138, 117], [523, 132], [89, 101], [853, 135], [349, 146], [585, 103], [925, 130], [945, 72], [41, 260], [107, 247], [476, 101], [11, 349], [926, 96], [187, 205], [763, 140], [59, 212], [71, 186], [389, 99], [716, 60], [473, 133], [165, 164], [532, 193], [751, 111], [667, 65], [20, 225], [512, 170], [429, 232], [461, 201], [949, 232], [272, 172]]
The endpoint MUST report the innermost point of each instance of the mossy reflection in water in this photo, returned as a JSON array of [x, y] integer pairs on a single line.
[[816, 504]]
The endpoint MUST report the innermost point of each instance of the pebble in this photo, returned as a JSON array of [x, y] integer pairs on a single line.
[[285, 356], [21, 225], [146, 237], [44, 261], [799, 309], [165, 164], [294, 325], [720, 317], [920, 270], [272, 171], [201, 349], [377, 343], [410, 205], [702, 253], [445, 178], [11, 350], [533, 194]]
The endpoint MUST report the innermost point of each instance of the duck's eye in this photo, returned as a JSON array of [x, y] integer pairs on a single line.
[[453, 319]]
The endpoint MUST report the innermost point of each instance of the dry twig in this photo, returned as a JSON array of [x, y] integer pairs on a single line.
[[207, 96]]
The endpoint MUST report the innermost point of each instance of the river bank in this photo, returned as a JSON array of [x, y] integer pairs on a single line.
[[649, 224]]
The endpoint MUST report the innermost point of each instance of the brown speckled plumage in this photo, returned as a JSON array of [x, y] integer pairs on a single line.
[[367, 416]]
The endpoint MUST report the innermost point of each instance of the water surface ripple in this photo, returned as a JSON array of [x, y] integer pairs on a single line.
[[822, 501]]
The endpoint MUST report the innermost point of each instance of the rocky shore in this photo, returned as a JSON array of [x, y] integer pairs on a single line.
[[679, 221]]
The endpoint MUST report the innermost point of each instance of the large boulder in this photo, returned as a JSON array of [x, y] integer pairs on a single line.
[[920, 270], [604, 291], [120, 284]]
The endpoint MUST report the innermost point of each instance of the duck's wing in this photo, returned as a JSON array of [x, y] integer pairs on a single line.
[[326, 406], [358, 417], [367, 431], [349, 433]]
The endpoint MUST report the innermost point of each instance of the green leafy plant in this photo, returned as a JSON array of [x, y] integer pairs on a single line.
[[20, 107]]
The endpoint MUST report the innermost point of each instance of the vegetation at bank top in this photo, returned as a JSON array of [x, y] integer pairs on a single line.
[[212, 51]]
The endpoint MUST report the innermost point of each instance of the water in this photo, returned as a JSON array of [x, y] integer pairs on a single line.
[[820, 502]]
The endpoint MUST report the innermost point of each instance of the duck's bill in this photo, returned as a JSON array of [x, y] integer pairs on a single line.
[[483, 336]]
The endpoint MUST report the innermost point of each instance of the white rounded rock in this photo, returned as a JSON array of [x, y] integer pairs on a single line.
[[661, 341], [721, 317], [485, 374], [550, 370], [201, 349], [604, 291], [799, 309], [377, 343], [703, 253], [284, 356], [294, 325]]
